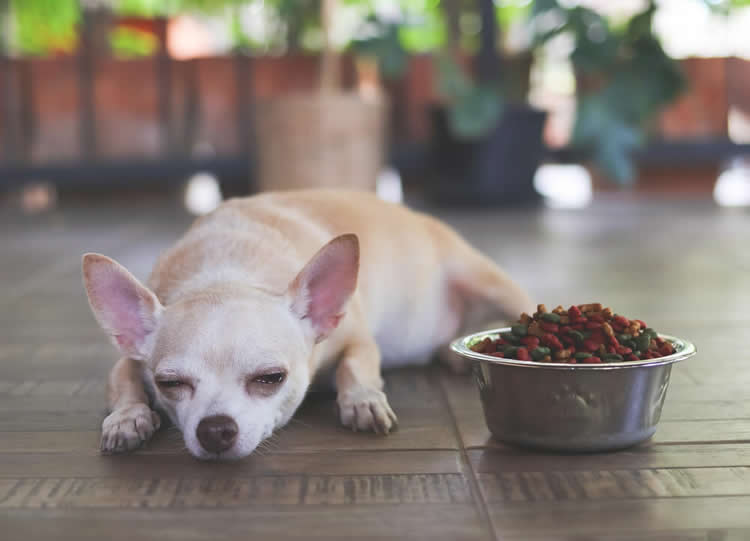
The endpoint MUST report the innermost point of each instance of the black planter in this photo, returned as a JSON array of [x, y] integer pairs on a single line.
[[495, 170]]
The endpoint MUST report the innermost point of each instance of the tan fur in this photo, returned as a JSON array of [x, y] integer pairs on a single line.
[[417, 284]]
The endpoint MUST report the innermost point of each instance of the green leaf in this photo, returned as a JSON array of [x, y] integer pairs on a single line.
[[452, 81], [386, 48], [543, 6], [609, 138], [475, 113]]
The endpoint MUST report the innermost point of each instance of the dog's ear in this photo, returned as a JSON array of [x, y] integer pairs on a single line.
[[126, 310], [320, 291]]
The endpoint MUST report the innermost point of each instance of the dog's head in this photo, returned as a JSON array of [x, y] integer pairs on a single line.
[[229, 364]]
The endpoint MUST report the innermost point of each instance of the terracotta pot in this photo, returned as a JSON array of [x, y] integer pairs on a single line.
[[703, 110]]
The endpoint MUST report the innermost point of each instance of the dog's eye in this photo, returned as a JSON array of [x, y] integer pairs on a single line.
[[170, 384], [272, 378]]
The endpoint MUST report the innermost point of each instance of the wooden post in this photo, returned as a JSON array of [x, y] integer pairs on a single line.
[[488, 69], [86, 105], [330, 69], [7, 88], [163, 66]]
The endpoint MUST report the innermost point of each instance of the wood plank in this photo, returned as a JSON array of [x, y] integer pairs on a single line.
[[511, 459], [675, 535], [435, 522], [630, 516], [145, 465], [247, 492], [605, 485]]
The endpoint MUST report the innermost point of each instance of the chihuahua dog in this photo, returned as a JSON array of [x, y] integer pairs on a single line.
[[267, 292]]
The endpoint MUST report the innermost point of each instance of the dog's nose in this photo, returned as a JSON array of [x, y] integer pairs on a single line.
[[217, 433]]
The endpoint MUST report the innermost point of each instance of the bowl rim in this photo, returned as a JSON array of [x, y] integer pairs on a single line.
[[683, 350]]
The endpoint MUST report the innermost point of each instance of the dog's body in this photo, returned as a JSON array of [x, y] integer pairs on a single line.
[[247, 308]]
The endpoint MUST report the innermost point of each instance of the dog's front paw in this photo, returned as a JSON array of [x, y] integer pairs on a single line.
[[366, 408], [127, 428]]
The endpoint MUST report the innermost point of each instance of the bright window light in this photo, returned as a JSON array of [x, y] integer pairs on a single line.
[[202, 194], [564, 186], [732, 188], [389, 186]]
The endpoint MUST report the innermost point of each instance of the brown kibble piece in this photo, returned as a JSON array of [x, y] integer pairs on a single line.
[[559, 310], [541, 309], [546, 358], [526, 318], [562, 354], [608, 314], [607, 328], [535, 329]]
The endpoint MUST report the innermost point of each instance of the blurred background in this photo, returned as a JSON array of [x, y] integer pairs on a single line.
[[490, 103]]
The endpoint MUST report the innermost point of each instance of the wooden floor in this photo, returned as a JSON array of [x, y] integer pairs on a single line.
[[682, 267]]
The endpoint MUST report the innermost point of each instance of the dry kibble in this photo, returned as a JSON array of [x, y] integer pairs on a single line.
[[586, 333]]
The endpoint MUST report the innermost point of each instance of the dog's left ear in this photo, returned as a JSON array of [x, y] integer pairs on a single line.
[[320, 291], [125, 309]]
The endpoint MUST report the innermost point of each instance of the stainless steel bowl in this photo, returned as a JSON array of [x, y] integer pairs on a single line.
[[571, 407]]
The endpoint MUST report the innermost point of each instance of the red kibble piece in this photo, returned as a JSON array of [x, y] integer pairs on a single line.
[[641, 323], [549, 327], [593, 325], [522, 354], [592, 360], [574, 312], [622, 350], [631, 357], [621, 320], [496, 354], [572, 361], [551, 340], [530, 342], [564, 329], [590, 346], [577, 327], [596, 317]]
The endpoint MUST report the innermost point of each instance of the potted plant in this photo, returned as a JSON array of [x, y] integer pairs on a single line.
[[623, 80], [487, 140]]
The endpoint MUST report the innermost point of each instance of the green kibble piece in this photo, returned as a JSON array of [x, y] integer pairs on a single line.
[[539, 353], [582, 355], [651, 332], [550, 317], [519, 330], [622, 338], [612, 357], [642, 342], [636, 353], [509, 337], [586, 334], [630, 344], [509, 351], [577, 335]]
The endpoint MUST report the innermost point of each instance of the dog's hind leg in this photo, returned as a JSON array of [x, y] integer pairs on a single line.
[[132, 422]]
